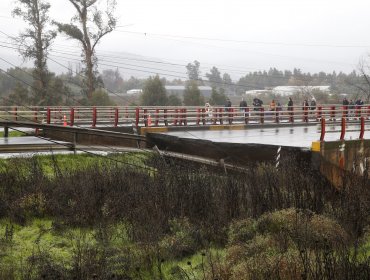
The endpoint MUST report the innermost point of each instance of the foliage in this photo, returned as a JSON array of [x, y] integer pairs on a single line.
[[174, 100], [19, 96], [154, 93], [101, 98], [88, 27], [35, 42], [214, 77], [192, 69], [109, 218], [181, 241], [192, 95], [112, 80], [217, 98]]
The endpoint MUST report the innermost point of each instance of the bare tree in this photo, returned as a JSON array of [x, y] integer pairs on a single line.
[[88, 27], [363, 85], [35, 42]]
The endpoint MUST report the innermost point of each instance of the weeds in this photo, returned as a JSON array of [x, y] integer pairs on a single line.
[[129, 223]]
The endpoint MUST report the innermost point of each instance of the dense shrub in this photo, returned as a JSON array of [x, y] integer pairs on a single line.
[[181, 242], [283, 224]]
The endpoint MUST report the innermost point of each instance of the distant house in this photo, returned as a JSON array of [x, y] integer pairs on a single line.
[[289, 90], [257, 91], [134, 91], [176, 90]]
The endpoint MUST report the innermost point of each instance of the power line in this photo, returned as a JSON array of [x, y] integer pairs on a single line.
[[146, 34]]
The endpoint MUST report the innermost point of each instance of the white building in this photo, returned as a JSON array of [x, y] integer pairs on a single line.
[[134, 91], [289, 90]]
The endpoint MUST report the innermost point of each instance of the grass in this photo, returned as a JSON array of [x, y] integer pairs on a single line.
[[14, 134], [40, 236], [79, 162], [195, 266]]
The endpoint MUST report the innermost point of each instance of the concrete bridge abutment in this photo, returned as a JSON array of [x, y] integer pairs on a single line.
[[335, 159]]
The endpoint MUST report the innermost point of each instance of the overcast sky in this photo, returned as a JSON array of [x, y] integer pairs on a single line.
[[237, 36]]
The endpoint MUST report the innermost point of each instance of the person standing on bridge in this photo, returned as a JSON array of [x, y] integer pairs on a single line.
[[243, 107], [313, 103], [290, 109], [290, 104], [345, 107], [228, 105]]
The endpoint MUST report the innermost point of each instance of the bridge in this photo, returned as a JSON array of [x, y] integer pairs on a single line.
[[334, 136]]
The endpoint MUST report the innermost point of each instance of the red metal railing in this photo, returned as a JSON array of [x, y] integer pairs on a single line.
[[190, 115]]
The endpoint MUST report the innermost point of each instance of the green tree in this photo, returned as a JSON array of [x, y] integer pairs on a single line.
[[93, 26], [101, 98], [35, 42], [214, 77], [193, 71], [174, 100], [61, 93], [19, 96], [217, 98], [192, 95], [226, 79], [112, 79], [154, 93]]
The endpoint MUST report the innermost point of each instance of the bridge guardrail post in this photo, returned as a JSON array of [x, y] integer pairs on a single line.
[[345, 111], [368, 112], [116, 116], [185, 118], [36, 120], [305, 114], [72, 117], [6, 131], [48, 115], [231, 115], [165, 117], [214, 116], [95, 114], [358, 111], [323, 130], [332, 113], [343, 128], [262, 115], [16, 113], [176, 111], [291, 114], [221, 115], [246, 115], [137, 116], [145, 117], [198, 116], [156, 122], [319, 113], [204, 116], [362, 131]]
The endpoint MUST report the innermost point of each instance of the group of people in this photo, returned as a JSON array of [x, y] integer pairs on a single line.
[[276, 106], [350, 103]]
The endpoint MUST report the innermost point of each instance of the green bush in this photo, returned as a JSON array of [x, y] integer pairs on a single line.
[[241, 231], [181, 242]]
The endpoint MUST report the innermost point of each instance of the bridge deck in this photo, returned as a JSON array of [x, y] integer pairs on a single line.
[[292, 136]]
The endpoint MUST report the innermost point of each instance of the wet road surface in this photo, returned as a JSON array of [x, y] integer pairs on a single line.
[[297, 136]]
